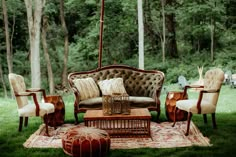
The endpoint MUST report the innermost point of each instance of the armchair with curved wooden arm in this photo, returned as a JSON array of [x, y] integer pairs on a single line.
[[207, 99], [25, 107]]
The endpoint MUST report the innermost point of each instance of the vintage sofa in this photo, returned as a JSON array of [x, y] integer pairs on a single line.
[[143, 87]]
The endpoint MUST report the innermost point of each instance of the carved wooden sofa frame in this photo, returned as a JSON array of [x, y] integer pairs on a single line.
[[141, 85]]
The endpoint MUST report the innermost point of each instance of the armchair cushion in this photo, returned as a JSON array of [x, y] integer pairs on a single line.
[[110, 86], [87, 88], [191, 106], [29, 110]]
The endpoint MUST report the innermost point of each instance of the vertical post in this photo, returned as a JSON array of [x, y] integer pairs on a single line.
[[100, 34], [140, 34]]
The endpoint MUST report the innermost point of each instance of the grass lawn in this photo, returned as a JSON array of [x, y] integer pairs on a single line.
[[223, 138]]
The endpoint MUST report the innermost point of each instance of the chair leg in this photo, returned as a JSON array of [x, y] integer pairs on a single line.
[[20, 123], [214, 120], [158, 116], [188, 123], [205, 118], [76, 118], [175, 116], [46, 123], [26, 121]]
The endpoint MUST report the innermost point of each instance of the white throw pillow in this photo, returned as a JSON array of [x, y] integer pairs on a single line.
[[110, 86], [87, 88]]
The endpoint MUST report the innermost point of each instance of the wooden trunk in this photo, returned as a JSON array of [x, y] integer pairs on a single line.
[[59, 115], [170, 104]]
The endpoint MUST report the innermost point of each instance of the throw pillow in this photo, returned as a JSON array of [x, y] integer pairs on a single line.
[[87, 88], [110, 86]]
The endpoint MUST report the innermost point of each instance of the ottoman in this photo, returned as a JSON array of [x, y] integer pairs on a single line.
[[86, 142]]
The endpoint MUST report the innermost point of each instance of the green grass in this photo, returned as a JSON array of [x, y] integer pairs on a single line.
[[223, 138]]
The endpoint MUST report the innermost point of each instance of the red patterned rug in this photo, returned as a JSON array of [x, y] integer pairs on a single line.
[[163, 135]]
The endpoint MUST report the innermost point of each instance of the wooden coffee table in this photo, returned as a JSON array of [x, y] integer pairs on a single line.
[[136, 124]]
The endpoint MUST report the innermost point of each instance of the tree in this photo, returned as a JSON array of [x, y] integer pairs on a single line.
[[215, 11], [66, 44], [3, 82], [34, 15], [141, 34], [230, 7], [171, 46], [163, 37], [46, 55], [8, 45]]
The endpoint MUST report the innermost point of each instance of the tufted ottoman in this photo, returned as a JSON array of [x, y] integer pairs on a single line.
[[86, 142]]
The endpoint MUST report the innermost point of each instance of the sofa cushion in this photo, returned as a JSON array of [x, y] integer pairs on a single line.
[[87, 88], [94, 103], [135, 101], [142, 102], [110, 86]]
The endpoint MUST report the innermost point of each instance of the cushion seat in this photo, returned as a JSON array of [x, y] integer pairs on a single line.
[[135, 101], [91, 103], [191, 106], [29, 110]]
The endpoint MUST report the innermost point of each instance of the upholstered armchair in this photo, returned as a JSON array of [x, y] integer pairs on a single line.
[[207, 99], [25, 107]]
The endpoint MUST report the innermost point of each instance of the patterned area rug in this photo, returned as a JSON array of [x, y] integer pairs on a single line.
[[163, 135]]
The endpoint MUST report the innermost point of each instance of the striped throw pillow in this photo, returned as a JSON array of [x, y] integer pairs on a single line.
[[87, 88]]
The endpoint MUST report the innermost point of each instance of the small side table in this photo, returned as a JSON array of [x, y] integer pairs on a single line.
[[59, 115], [170, 104]]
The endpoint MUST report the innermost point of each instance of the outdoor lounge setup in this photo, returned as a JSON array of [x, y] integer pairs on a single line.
[[114, 78]]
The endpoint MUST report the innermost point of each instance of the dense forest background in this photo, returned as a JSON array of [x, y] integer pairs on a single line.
[[198, 33]]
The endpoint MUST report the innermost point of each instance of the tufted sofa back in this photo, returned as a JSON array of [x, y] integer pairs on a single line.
[[137, 82]]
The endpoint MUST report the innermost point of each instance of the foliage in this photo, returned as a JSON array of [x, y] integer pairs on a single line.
[[120, 39]]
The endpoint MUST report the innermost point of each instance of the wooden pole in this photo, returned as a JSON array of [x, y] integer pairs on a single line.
[[100, 35]]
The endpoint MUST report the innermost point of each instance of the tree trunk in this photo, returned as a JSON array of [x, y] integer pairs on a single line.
[[152, 31], [171, 46], [3, 82], [9, 54], [141, 35], [13, 30], [66, 44], [46, 55], [212, 38], [34, 15], [198, 46], [163, 41]]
